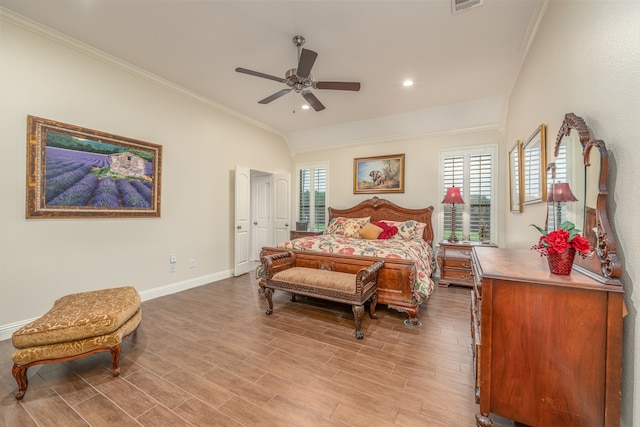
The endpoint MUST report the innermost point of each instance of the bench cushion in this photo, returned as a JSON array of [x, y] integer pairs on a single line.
[[79, 316], [325, 279]]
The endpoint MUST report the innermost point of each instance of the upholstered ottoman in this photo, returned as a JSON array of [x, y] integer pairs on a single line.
[[76, 326]]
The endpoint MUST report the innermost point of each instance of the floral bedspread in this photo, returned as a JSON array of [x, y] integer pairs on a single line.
[[415, 249]]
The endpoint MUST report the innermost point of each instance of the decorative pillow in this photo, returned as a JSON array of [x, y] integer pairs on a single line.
[[353, 227], [408, 230], [336, 225], [370, 231], [388, 231]]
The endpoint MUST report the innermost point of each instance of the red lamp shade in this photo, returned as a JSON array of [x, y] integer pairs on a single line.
[[453, 196], [560, 192]]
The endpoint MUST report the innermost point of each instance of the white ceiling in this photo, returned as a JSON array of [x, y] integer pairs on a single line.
[[463, 65]]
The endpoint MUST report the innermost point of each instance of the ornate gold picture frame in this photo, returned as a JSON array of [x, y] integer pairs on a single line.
[[381, 174], [76, 172], [515, 177]]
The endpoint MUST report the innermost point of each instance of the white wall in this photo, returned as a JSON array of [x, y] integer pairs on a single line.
[[422, 154], [43, 259], [585, 60]]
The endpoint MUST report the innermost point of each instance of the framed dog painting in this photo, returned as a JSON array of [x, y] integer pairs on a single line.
[[381, 174]]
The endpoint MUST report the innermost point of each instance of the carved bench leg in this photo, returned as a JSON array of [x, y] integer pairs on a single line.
[[358, 311], [20, 374], [372, 307], [268, 293]]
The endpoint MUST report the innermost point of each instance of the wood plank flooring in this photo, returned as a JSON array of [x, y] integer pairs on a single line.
[[209, 356]]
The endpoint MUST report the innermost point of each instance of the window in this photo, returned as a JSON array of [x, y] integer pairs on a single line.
[[312, 195], [473, 171], [557, 212]]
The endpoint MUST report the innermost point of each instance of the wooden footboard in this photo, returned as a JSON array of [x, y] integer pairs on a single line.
[[395, 278]]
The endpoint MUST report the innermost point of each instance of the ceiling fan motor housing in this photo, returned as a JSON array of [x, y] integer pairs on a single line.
[[296, 82]]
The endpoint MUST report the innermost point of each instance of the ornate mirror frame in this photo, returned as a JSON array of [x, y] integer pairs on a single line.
[[602, 264]]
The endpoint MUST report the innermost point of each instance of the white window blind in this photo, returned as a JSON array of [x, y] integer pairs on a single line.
[[312, 195], [473, 171], [557, 212]]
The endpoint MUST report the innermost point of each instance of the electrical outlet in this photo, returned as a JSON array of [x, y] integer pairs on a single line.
[[172, 268], [192, 263], [173, 258]]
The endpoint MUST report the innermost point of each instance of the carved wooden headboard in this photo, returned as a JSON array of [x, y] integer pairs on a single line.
[[381, 209]]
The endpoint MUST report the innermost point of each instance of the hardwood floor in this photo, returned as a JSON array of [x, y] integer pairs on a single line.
[[209, 356]]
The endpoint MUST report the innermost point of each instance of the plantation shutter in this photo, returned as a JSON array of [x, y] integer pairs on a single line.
[[472, 171], [560, 209], [480, 166], [453, 176], [312, 196]]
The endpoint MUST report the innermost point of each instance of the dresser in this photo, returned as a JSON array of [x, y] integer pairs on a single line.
[[547, 348], [454, 262]]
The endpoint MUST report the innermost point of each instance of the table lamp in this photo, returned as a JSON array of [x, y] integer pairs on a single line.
[[452, 198]]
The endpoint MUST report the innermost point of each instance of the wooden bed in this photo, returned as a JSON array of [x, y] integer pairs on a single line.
[[397, 278]]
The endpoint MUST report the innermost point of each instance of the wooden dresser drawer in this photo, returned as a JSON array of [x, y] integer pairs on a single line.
[[476, 341]]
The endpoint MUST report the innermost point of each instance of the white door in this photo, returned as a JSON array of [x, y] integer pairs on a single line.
[[242, 213], [281, 206], [261, 214]]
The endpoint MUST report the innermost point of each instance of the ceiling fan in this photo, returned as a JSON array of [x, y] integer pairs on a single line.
[[300, 79]]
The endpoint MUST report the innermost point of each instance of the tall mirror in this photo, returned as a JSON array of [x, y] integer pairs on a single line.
[[578, 193]]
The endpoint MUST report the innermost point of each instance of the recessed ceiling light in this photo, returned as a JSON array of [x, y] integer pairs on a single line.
[[407, 83], [305, 107]]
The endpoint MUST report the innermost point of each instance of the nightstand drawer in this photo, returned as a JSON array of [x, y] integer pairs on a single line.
[[458, 275], [454, 261], [457, 262], [459, 253]]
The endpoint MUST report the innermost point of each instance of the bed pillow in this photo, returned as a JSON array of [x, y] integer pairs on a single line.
[[408, 230], [336, 225], [370, 231], [353, 227], [388, 231]]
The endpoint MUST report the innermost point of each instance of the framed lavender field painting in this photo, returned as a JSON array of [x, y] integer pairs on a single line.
[[76, 172]]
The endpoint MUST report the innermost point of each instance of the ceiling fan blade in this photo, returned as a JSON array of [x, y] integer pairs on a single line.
[[257, 74], [313, 101], [338, 85], [275, 96], [307, 58]]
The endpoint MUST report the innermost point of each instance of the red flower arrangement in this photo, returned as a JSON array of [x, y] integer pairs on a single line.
[[555, 242]]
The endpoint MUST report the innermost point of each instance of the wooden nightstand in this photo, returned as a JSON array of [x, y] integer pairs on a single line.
[[454, 261], [293, 234]]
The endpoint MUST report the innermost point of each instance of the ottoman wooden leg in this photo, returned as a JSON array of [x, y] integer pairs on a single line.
[[115, 359], [20, 374]]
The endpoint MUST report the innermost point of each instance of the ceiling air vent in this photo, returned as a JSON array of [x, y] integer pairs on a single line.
[[460, 5]]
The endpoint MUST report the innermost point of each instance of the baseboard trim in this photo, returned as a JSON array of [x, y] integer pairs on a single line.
[[7, 330]]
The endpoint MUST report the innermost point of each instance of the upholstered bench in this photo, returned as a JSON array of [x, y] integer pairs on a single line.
[[77, 325], [335, 281]]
